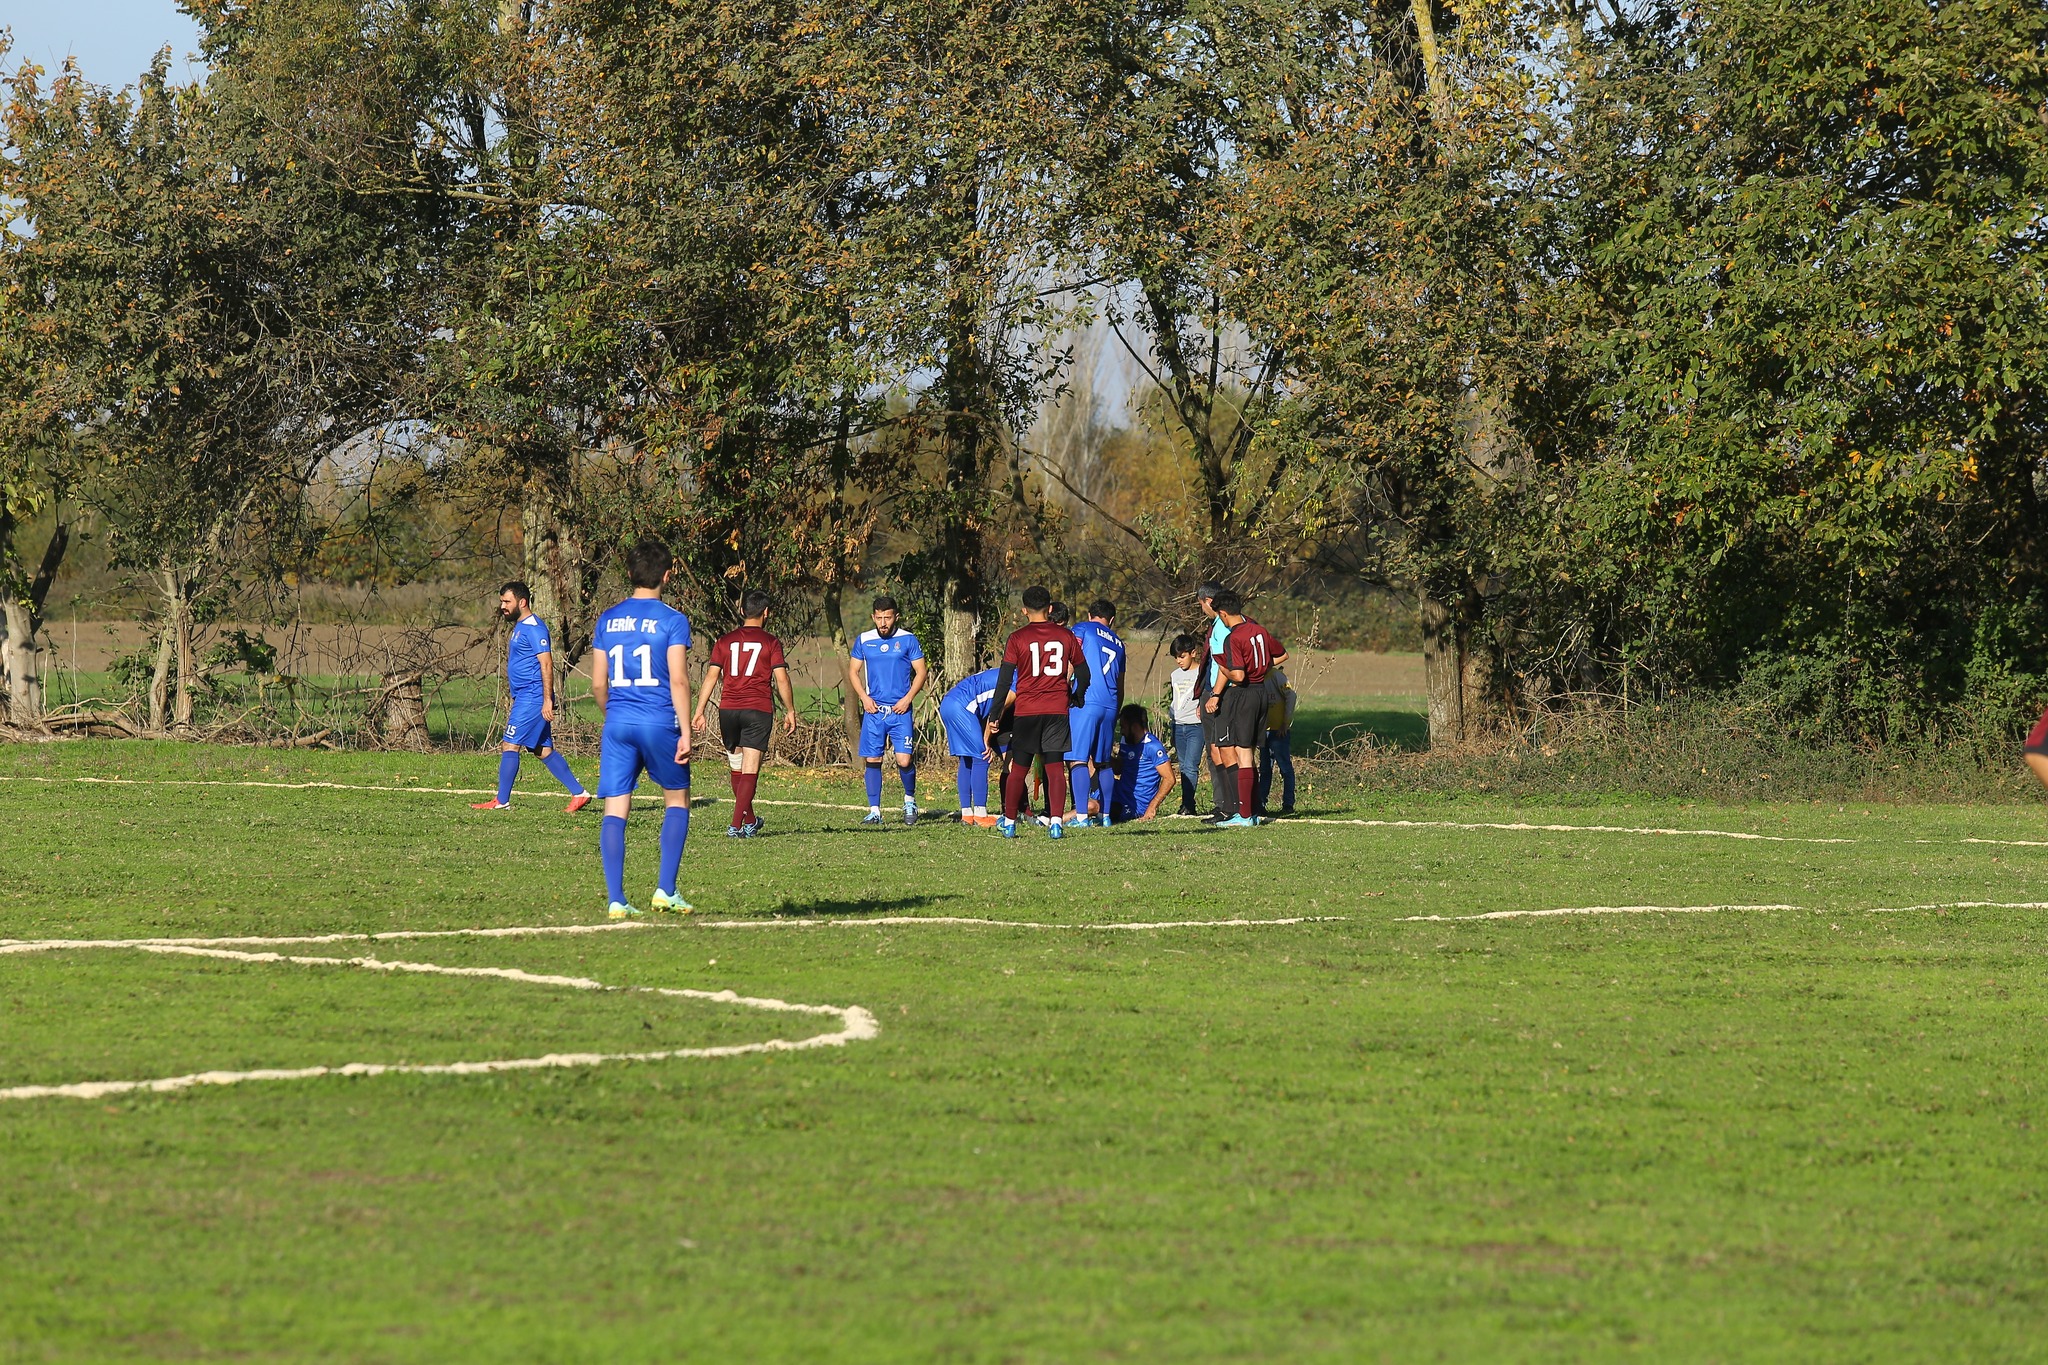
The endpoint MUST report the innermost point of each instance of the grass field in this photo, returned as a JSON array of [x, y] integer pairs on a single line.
[[1802, 1134]]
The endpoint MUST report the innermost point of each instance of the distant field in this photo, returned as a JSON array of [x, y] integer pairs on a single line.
[[1807, 1130]]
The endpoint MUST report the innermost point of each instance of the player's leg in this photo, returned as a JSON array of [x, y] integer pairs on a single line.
[[874, 742], [674, 779], [746, 784], [1281, 746], [1187, 747], [542, 742], [2037, 764], [1103, 746], [904, 740], [522, 729], [618, 773], [1057, 740]]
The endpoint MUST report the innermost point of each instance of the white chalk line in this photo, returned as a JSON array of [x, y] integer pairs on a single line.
[[532, 793], [1524, 826], [42, 945], [1715, 909], [889, 920], [856, 1024]]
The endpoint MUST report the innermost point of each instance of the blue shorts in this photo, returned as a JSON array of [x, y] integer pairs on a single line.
[[878, 732], [1093, 736], [526, 728], [963, 733], [626, 751]]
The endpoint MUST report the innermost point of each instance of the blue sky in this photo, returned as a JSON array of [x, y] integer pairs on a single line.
[[113, 40]]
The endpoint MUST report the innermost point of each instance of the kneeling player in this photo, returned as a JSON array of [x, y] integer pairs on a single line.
[[1043, 667], [640, 677], [964, 711], [743, 663], [1143, 772]]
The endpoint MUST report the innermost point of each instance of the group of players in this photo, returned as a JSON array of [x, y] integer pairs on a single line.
[[1053, 707]]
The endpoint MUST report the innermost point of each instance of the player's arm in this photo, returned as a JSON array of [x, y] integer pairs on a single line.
[[679, 693], [1005, 677], [788, 695], [546, 660], [919, 671], [1235, 675], [1078, 686], [1165, 772], [857, 675], [711, 676], [600, 678]]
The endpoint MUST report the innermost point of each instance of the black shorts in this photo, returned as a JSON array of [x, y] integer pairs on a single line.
[[1049, 736], [745, 729], [1243, 712], [1212, 726]]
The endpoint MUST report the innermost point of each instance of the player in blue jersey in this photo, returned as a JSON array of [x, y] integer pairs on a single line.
[[964, 711], [640, 676], [887, 672], [530, 675], [1093, 722], [1143, 772]]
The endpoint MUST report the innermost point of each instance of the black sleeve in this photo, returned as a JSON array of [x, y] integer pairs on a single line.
[[1006, 678], [1079, 685]]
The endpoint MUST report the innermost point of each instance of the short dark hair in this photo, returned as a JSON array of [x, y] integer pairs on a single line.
[[1228, 601], [885, 603], [1037, 597], [648, 561], [753, 602], [1184, 644], [520, 592], [1059, 613], [1102, 609], [1208, 590], [1133, 712]]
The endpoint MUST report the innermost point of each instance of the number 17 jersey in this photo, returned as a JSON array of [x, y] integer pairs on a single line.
[[634, 638]]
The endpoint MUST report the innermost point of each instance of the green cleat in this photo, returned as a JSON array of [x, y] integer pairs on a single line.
[[672, 905], [621, 910]]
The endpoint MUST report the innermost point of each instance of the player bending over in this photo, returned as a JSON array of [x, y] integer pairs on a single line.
[[1093, 722], [1249, 655], [964, 711], [1142, 770], [1042, 668], [640, 675], [530, 675], [743, 663], [887, 672]]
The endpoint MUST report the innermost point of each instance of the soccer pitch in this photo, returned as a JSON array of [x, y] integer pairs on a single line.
[[1418, 1123]]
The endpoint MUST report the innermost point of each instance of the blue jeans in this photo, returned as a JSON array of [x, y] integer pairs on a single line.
[[1188, 749], [1279, 752]]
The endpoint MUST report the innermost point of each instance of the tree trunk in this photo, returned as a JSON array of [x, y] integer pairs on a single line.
[[555, 567], [181, 714], [402, 711], [21, 662], [966, 441], [1443, 671], [849, 709], [166, 645]]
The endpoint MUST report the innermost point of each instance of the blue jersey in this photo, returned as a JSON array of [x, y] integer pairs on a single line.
[[887, 662], [1137, 773], [522, 656], [973, 694], [1104, 653], [635, 637]]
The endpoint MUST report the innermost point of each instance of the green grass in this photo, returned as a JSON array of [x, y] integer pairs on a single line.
[[1802, 1136]]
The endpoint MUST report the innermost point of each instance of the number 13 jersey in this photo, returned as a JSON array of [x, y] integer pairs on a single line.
[[1042, 654], [634, 638]]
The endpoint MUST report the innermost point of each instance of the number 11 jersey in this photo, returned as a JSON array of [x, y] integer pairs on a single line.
[[634, 638]]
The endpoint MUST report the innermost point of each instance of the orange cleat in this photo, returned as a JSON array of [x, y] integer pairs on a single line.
[[491, 804], [577, 803]]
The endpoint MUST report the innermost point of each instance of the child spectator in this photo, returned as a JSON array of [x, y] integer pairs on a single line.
[[1279, 748], [1142, 770], [1185, 711]]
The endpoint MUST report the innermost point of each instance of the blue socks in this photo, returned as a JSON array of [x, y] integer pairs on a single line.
[[909, 776], [508, 769], [1105, 784], [675, 832], [874, 776], [611, 847], [557, 765], [964, 779]]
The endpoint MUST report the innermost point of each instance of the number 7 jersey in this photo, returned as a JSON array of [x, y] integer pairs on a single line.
[[634, 639]]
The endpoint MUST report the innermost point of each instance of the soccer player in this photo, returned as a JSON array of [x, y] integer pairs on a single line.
[[887, 672], [1041, 667], [530, 675], [1223, 795], [2035, 752], [743, 664], [1093, 722], [1143, 772], [640, 675], [964, 711], [1250, 653]]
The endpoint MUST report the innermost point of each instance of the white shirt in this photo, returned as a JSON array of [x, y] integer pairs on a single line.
[[1186, 710]]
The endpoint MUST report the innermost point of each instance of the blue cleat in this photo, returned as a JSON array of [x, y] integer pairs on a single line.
[[621, 910], [752, 827], [909, 812], [1238, 822], [1006, 828], [873, 817], [1056, 830], [734, 832]]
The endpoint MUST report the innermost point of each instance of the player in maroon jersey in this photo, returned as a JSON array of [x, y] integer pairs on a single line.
[[2036, 751], [1249, 654], [746, 661], [1043, 670]]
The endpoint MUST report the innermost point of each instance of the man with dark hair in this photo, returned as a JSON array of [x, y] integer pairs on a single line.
[[887, 672], [1093, 722], [1143, 773], [1223, 795], [1250, 653], [1041, 670], [530, 677], [640, 676], [744, 664]]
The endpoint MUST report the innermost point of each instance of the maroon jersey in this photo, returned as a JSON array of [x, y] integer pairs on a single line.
[[1043, 656], [1252, 648], [747, 659]]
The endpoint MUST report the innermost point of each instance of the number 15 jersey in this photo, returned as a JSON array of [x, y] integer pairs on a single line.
[[1043, 657], [634, 638]]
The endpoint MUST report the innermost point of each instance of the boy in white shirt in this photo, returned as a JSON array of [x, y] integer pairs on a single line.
[[1186, 713]]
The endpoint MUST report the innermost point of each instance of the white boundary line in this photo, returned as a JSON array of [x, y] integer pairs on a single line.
[[1713, 909], [856, 1023], [886, 920], [1567, 829], [533, 792]]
